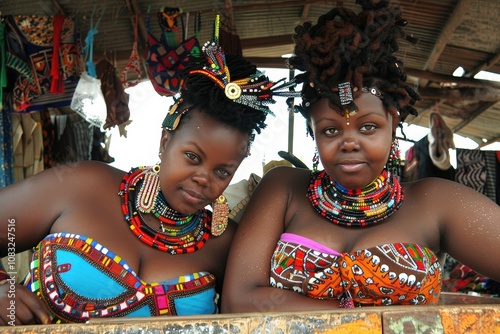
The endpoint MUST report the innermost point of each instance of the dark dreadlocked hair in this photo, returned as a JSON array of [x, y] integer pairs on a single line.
[[201, 91], [356, 48]]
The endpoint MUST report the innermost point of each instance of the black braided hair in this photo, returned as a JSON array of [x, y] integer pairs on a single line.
[[358, 48], [200, 91]]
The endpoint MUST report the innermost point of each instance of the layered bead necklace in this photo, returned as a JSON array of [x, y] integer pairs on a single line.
[[194, 231], [355, 207]]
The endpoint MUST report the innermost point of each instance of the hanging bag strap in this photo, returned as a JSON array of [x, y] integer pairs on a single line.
[[89, 46], [133, 62]]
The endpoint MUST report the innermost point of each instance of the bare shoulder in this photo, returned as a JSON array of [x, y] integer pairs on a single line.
[[59, 181], [57, 196], [86, 171], [287, 177], [275, 194], [437, 189], [449, 200], [72, 182]]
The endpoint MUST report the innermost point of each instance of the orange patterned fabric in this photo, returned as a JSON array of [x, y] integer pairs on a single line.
[[391, 274]]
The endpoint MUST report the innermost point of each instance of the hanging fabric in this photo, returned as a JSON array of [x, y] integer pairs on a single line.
[[229, 39], [116, 99], [133, 62], [6, 149], [168, 58], [30, 53], [3, 67], [56, 86], [477, 170]]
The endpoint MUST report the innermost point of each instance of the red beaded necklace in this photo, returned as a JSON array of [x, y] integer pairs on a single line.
[[187, 240], [355, 207]]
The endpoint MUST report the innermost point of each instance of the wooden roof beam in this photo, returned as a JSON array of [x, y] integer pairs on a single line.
[[460, 94], [450, 79], [264, 42], [489, 141], [278, 62], [482, 108], [454, 20], [484, 66]]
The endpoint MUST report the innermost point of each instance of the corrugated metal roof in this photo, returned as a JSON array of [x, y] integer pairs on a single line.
[[468, 29]]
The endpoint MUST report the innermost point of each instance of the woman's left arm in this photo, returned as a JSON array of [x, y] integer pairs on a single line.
[[470, 226]]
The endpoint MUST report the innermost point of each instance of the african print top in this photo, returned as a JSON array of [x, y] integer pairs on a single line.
[[390, 274], [80, 279]]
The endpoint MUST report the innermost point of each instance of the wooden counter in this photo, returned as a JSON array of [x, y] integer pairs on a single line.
[[455, 314]]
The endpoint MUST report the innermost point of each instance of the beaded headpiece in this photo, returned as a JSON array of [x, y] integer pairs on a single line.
[[347, 98], [255, 91]]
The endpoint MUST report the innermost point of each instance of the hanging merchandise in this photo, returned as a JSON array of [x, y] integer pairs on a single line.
[[133, 62], [229, 39], [3, 67], [56, 86], [7, 149], [440, 141], [168, 58], [88, 100], [45, 54], [117, 109]]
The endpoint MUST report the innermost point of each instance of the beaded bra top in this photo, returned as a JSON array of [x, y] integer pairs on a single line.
[[80, 279], [355, 207]]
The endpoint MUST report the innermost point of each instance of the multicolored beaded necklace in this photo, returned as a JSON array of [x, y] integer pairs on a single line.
[[355, 207], [195, 227]]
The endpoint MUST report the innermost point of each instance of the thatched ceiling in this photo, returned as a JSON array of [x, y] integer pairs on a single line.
[[451, 33]]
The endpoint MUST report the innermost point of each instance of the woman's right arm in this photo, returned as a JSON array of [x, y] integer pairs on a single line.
[[19, 306], [246, 283], [31, 206], [27, 211]]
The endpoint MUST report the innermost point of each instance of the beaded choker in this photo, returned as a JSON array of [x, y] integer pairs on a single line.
[[195, 227], [355, 207]]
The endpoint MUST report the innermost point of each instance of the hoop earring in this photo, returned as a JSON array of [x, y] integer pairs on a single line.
[[220, 216], [149, 190], [315, 160], [394, 160]]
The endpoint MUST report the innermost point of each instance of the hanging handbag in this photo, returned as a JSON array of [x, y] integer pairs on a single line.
[[166, 61]]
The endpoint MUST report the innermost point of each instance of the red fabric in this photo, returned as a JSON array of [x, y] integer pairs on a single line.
[[57, 83]]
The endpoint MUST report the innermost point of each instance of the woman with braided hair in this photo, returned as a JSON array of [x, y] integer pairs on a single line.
[[350, 234], [111, 243]]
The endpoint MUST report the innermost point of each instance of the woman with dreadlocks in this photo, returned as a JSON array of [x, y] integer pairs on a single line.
[[350, 234], [111, 243]]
